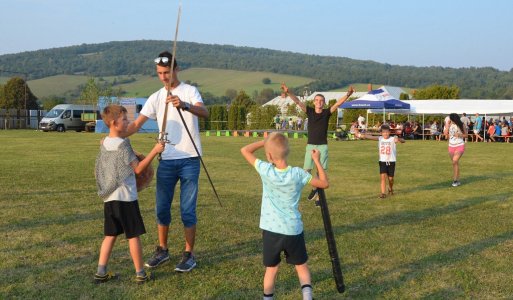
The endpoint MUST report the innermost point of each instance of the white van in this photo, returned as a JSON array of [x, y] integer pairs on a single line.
[[66, 117]]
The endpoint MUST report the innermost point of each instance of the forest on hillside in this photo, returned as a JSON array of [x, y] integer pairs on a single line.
[[136, 57]]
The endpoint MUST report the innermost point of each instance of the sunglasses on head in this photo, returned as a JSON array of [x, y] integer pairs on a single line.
[[163, 60]]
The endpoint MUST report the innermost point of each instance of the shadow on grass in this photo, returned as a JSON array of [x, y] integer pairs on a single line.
[[57, 193], [410, 217], [230, 252], [464, 179], [379, 283], [43, 221], [444, 294]]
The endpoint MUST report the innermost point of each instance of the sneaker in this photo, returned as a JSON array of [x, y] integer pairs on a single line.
[[456, 183], [187, 263], [159, 257], [104, 278], [313, 194], [143, 279]]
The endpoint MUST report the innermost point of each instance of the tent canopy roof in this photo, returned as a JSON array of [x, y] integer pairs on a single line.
[[459, 106]]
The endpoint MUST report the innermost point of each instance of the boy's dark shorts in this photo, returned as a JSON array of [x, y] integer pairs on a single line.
[[123, 217], [387, 168], [292, 245]]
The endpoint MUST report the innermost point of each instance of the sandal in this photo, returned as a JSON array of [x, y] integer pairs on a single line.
[[391, 192], [382, 196]]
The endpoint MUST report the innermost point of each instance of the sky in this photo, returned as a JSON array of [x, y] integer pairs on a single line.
[[448, 33]]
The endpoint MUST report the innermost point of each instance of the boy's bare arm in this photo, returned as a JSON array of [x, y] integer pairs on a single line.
[[399, 140], [322, 180], [293, 97], [140, 166], [343, 99], [365, 136], [249, 150]]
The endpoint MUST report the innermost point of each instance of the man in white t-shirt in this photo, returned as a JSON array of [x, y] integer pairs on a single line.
[[179, 161]]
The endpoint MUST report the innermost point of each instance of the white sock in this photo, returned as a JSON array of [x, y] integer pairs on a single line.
[[307, 292]]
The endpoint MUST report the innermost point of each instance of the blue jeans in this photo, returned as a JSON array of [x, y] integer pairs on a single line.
[[168, 173]]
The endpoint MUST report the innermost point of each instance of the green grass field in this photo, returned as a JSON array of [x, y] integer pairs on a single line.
[[429, 241], [215, 81]]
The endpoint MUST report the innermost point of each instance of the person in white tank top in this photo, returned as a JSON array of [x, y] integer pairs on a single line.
[[456, 133], [387, 157]]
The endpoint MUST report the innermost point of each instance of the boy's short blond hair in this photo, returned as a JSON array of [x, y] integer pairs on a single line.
[[112, 112], [277, 145]]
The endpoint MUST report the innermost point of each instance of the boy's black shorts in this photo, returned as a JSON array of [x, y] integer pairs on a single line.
[[123, 217], [387, 168], [292, 245]]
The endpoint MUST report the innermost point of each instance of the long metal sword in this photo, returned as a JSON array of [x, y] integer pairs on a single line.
[[169, 93]]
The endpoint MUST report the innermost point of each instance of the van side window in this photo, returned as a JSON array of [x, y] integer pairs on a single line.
[[77, 113], [66, 114]]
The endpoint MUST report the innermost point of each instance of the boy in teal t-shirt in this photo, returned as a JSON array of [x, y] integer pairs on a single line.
[[280, 218]]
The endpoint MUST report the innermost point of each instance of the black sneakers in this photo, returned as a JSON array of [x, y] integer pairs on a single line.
[[187, 263], [143, 279], [104, 278], [159, 257]]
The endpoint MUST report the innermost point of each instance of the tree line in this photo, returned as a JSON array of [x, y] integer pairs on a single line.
[[136, 57]]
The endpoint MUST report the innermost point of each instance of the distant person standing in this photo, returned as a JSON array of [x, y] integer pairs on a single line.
[[361, 121], [456, 133], [277, 122], [466, 122], [291, 124], [318, 120], [299, 123], [478, 124]]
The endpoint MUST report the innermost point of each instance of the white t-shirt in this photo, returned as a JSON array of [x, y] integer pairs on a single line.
[[361, 119], [465, 120], [387, 149], [453, 140], [180, 145], [128, 191]]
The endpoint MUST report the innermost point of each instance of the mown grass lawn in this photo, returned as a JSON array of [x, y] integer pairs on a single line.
[[429, 241]]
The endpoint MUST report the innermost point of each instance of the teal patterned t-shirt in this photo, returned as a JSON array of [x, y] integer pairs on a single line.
[[280, 197]]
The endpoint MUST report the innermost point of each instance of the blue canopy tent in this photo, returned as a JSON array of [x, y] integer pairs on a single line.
[[376, 99]]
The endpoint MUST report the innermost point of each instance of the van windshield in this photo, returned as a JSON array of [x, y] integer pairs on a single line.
[[54, 113]]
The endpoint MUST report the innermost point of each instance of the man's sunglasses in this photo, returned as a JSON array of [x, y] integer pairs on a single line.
[[162, 60]]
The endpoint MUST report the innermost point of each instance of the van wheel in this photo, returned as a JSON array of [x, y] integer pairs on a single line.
[[60, 128]]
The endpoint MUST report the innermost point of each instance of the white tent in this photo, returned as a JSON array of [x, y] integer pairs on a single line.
[[459, 106]]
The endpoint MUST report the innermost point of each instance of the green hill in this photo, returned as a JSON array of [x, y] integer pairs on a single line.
[[214, 81], [130, 58]]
